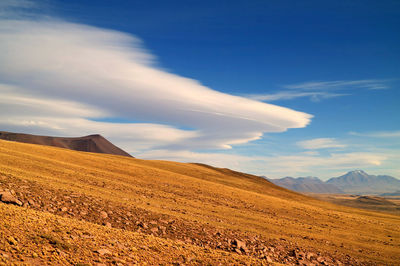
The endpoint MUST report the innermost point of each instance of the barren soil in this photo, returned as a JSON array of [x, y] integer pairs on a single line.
[[92, 208]]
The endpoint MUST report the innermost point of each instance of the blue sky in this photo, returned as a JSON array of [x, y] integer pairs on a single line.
[[333, 65]]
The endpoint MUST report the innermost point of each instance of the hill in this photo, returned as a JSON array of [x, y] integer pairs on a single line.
[[374, 203], [92, 143], [359, 182], [396, 193], [88, 208], [306, 184]]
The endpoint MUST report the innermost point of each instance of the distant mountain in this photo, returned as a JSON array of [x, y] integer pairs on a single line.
[[359, 182], [92, 143], [306, 184], [396, 193]]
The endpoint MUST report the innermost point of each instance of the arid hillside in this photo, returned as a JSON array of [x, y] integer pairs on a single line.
[[92, 143], [74, 207]]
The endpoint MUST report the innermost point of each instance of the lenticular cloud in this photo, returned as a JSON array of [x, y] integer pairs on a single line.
[[73, 72]]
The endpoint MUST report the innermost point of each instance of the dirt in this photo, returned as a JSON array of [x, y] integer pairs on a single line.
[[107, 213]]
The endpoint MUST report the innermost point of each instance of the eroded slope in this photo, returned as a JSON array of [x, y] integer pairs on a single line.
[[197, 205]]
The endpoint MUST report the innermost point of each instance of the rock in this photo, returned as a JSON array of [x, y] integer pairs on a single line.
[[143, 225], [103, 214], [299, 254], [12, 240], [310, 255], [31, 202], [64, 209], [240, 244], [154, 230], [103, 251], [108, 225], [269, 260], [7, 197]]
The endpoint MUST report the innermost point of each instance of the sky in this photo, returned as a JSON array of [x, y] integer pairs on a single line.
[[272, 88]]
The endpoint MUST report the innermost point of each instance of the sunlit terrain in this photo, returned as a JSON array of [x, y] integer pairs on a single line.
[[83, 207]]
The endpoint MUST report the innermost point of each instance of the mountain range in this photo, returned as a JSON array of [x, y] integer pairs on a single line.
[[306, 184], [359, 182], [92, 143], [353, 182]]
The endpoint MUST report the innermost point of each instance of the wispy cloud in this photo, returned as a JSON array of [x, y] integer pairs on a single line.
[[59, 78], [17, 8], [289, 95], [378, 134], [320, 90], [370, 84], [320, 143]]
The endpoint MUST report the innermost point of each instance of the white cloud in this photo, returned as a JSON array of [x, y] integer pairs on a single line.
[[58, 77], [378, 134], [320, 143]]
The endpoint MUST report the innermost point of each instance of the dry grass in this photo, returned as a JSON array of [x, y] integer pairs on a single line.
[[205, 195]]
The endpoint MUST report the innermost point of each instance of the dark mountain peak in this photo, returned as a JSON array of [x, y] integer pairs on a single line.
[[91, 143], [94, 136]]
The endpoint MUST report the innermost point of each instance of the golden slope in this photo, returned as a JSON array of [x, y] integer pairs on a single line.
[[51, 239], [230, 204]]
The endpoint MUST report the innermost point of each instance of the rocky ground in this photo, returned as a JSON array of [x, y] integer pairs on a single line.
[[30, 195]]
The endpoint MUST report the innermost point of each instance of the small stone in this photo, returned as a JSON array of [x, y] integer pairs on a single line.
[[35, 255], [310, 255], [103, 251], [240, 244], [12, 240], [299, 254], [154, 230], [64, 209], [108, 225], [269, 260], [103, 214], [143, 225], [7, 197]]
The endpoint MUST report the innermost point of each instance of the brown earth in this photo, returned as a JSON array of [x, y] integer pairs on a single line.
[[92, 143], [93, 208]]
